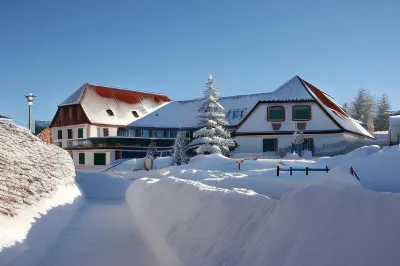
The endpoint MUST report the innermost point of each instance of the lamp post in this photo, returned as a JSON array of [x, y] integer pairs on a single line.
[[30, 97]]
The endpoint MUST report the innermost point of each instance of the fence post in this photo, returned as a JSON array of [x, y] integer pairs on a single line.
[[291, 170], [277, 170], [307, 170], [327, 170]]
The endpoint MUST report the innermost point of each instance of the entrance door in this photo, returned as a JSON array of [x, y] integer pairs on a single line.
[[99, 159]]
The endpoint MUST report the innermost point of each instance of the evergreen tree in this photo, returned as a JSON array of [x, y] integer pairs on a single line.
[[363, 108], [347, 108], [180, 149], [152, 150], [382, 118], [298, 140], [212, 137]]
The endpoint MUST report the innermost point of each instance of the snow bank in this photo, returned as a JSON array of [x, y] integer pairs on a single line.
[[364, 151], [32, 175], [327, 223]]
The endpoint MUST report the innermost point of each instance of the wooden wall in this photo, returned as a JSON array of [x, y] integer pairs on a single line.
[[69, 115]]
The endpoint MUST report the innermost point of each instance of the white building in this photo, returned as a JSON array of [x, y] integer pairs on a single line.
[[264, 123], [394, 130], [86, 123]]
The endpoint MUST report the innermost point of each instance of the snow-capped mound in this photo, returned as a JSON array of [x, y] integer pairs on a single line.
[[364, 151], [30, 169], [327, 223]]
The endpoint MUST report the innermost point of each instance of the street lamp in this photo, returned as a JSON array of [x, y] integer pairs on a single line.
[[30, 97]]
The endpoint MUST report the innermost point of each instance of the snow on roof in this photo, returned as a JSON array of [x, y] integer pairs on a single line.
[[96, 101], [337, 113], [182, 114]]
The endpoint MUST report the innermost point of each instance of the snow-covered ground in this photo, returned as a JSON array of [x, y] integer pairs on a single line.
[[209, 212]]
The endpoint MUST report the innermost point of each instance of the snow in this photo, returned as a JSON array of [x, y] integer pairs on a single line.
[[208, 212], [34, 177], [327, 223]]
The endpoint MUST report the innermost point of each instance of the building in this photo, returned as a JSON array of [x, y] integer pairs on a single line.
[[87, 123], [264, 123], [394, 130]]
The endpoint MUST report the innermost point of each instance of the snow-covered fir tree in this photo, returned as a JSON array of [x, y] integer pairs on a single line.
[[152, 150], [179, 155], [212, 137], [381, 122], [298, 140]]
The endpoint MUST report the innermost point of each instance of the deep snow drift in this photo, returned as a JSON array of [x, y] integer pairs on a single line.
[[330, 222], [34, 177]]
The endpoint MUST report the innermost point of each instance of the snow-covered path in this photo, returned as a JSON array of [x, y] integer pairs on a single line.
[[103, 232]]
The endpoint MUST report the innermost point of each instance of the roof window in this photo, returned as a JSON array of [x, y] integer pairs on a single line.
[[135, 114], [110, 112]]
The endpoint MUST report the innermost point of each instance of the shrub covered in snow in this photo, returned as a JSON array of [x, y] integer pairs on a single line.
[[30, 169], [180, 149], [152, 150]]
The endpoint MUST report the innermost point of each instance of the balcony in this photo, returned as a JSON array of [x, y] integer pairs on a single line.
[[118, 142]]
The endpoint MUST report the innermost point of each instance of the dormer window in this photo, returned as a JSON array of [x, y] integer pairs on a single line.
[[110, 112], [135, 114], [276, 114]]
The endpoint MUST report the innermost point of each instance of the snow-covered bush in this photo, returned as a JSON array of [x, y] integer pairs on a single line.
[[179, 155], [212, 117], [30, 169], [298, 140]]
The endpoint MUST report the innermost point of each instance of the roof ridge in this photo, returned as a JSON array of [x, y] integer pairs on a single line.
[[126, 89]]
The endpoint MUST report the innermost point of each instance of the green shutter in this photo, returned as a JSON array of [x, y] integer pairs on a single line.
[[275, 114], [80, 133], [69, 133], [81, 158], [99, 159], [301, 113], [269, 145]]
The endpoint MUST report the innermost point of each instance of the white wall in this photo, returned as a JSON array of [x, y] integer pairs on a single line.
[[394, 134], [65, 133], [89, 156], [258, 122]]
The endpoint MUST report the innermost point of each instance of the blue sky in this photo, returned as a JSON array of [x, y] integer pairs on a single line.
[[51, 48]]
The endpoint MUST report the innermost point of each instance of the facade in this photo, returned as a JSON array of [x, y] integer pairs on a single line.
[[394, 130], [264, 123], [88, 121]]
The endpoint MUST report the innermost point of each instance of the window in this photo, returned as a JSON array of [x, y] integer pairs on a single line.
[[152, 133], [270, 145], [276, 114], [118, 155], [160, 133], [301, 113], [135, 114], [81, 158], [80, 133], [99, 159], [69, 131], [106, 132], [59, 134], [110, 112], [138, 132], [146, 133]]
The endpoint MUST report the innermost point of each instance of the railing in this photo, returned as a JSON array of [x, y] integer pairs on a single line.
[[306, 169]]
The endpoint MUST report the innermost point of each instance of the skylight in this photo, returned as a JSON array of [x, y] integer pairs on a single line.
[[110, 112], [135, 114]]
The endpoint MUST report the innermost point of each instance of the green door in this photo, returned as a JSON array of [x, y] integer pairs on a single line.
[[99, 159]]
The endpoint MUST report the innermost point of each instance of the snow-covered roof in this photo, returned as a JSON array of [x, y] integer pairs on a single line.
[[182, 114], [96, 100], [337, 113]]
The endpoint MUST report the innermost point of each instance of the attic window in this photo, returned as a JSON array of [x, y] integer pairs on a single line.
[[135, 114], [110, 112]]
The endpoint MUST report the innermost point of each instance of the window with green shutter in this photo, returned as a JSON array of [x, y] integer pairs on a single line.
[[81, 158], [99, 159], [69, 133], [269, 145], [276, 114], [80, 133], [301, 113]]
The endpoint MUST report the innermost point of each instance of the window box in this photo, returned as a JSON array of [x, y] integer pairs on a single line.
[[276, 114], [301, 113]]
